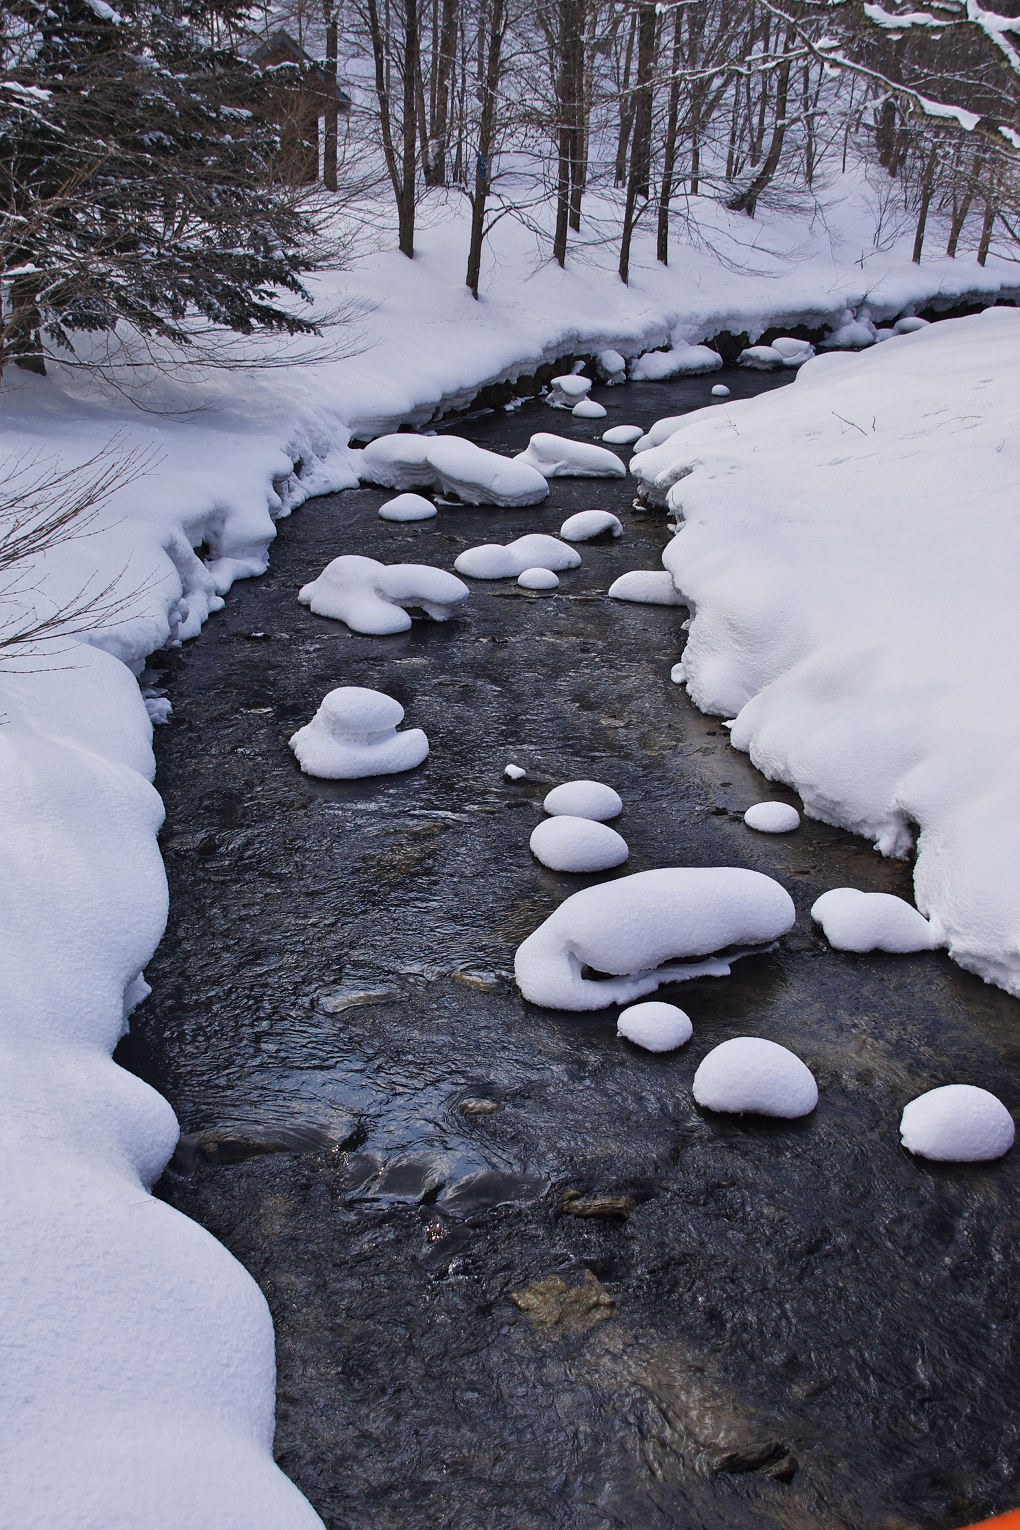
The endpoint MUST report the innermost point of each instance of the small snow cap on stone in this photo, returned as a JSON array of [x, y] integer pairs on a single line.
[[354, 734], [536, 550], [514, 772], [584, 799], [566, 843], [760, 358], [407, 507], [559, 457], [587, 524], [772, 817], [656, 1026], [794, 352], [646, 587], [370, 597], [678, 674], [589, 409], [860, 921], [538, 579], [720, 391], [572, 385], [957, 1123], [622, 435], [909, 325], [749, 1073], [680, 360], [612, 366]]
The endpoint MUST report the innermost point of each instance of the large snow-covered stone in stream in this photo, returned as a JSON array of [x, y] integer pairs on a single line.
[[646, 586], [910, 325], [783, 352], [656, 1026], [565, 843], [354, 734], [772, 818], [370, 597], [456, 466], [584, 799], [538, 579], [957, 1123], [589, 409], [536, 550], [558, 457], [568, 390], [749, 1073], [407, 507], [860, 921], [648, 929], [622, 435], [587, 524], [680, 360]]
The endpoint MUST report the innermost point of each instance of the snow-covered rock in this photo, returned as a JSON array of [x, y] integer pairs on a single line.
[[772, 817], [370, 597], [794, 352], [851, 333], [589, 409], [587, 524], [559, 457], [749, 1073], [536, 550], [612, 367], [584, 799], [568, 390], [760, 358], [654, 1025], [957, 1123], [407, 507], [862, 921], [646, 586], [538, 579], [680, 360], [514, 772], [651, 928], [720, 391], [565, 843], [622, 435], [454, 465], [354, 734], [909, 325]]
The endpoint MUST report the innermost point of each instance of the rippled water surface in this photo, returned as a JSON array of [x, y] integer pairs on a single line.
[[725, 1324]]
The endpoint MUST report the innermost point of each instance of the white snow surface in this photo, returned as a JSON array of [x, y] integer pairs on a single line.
[[772, 817], [408, 507], [829, 530], [644, 930], [590, 523], [370, 596], [748, 1073], [584, 799], [647, 587], [514, 772], [535, 550], [567, 843], [559, 457], [782, 352], [566, 391], [656, 1026], [354, 734], [957, 1123], [589, 409], [679, 360], [622, 435], [453, 465], [720, 391], [538, 579], [875, 921]]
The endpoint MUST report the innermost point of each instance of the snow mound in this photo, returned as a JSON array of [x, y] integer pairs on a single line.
[[680, 360], [538, 579], [860, 921], [772, 817], [656, 1026], [749, 1073], [566, 843], [852, 333], [720, 391], [587, 524], [909, 325], [558, 457], [354, 734], [622, 435], [456, 466], [588, 409], [612, 366], [783, 352], [957, 1123], [646, 586], [644, 930], [407, 507], [661, 431], [370, 597], [584, 799], [565, 392], [536, 550], [514, 772]]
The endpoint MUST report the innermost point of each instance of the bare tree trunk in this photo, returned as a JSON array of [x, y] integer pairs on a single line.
[[330, 127], [927, 182], [747, 200], [640, 149], [486, 141], [22, 339], [626, 107], [412, 66], [991, 212], [435, 170], [669, 151]]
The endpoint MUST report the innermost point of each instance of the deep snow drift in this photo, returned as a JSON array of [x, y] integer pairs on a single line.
[[848, 549]]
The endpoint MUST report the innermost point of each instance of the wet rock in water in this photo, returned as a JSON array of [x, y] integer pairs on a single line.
[[490, 1187], [577, 1205], [352, 996], [475, 1106], [551, 1304], [236, 1146], [751, 1458], [476, 977]]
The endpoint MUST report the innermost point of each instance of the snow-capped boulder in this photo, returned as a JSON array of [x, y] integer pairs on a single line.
[[910, 325], [772, 817], [536, 550], [622, 435], [370, 597], [720, 391], [354, 734], [656, 1026], [612, 367], [565, 392], [646, 586], [680, 360], [957, 1123], [851, 334], [514, 772], [860, 921], [538, 579], [749, 1073], [587, 524], [794, 352], [651, 928], [565, 843], [584, 799], [760, 358], [589, 409], [454, 465], [407, 507], [558, 457]]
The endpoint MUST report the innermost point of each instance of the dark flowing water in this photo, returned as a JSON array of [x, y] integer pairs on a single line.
[[756, 1326]]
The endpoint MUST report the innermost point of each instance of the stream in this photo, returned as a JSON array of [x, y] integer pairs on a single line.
[[726, 1323]]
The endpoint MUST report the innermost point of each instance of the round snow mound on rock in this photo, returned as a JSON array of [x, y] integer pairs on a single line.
[[656, 1026], [958, 1123], [590, 523], [407, 507], [535, 550], [720, 391], [588, 409], [584, 799], [622, 435], [565, 843], [646, 586], [514, 772], [354, 734], [538, 579], [772, 817], [860, 921], [749, 1073]]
